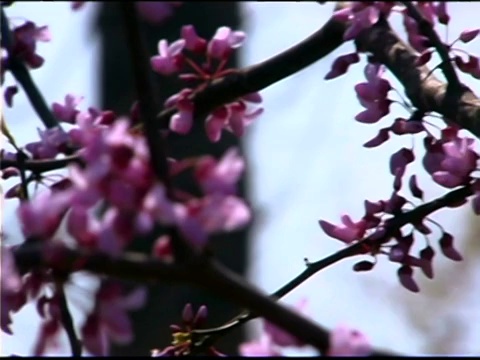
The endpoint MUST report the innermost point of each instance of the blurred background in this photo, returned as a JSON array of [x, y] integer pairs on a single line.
[[305, 162]]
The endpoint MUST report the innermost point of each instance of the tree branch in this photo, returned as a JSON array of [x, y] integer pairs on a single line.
[[67, 322], [214, 277], [425, 91], [41, 166]]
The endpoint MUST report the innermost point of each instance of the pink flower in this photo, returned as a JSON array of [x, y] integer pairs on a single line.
[[109, 320], [67, 112], [373, 94], [53, 141], [362, 17], [341, 64], [193, 42], [26, 37], [224, 41], [42, 215], [347, 233], [169, 59], [182, 121], [222, 176], [213, 214], [262, 347], [345, 341], [156, 12], [10, 287]]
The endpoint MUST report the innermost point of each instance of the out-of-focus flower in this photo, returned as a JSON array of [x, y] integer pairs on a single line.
[[345, 341]]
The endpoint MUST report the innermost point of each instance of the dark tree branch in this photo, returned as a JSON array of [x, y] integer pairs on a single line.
[[41, 166], [424, 90], [22, 75], [67, 322], [391, 225], [214, 277]]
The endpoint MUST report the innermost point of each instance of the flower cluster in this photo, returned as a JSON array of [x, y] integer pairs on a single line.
[[233, 117], [450, 159], [183, 338]]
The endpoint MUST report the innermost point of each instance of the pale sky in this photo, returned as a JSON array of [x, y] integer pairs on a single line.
[[290, 189]]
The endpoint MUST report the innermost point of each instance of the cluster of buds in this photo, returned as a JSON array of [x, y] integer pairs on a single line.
[[173, 58]]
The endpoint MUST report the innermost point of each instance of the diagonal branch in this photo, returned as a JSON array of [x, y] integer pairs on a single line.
[[214, 277], [460, 106]]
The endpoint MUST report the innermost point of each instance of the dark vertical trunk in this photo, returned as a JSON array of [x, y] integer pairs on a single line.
[[151, 324]]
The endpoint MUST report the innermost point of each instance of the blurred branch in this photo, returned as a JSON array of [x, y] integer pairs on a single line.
[[218, 279], [40, 166], [22, 75], [206, 336], [67, 322]]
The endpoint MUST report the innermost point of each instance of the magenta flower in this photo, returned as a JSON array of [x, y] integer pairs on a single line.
[[10, 287], [362, 16], [373, 94], [347, 233], [53, 141], [345, 341], [42, 215], [26, 38], [224, 41], [169, 59], [155, 12], [341, 64], [193, 42], [109, 320], [69, 111], [212, 214], [222, 176]]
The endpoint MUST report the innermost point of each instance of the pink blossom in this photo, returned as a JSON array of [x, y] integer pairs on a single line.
[[468, 35], [155, 12], [362, 17], [193, 42], [341, 64], [213, 214], [10, 288], [373, 94], [67, 112], [10, 91], [26, 37], [42, 215], [53, 141], [109, 320], [345, 341], [224, 41], [222, 176], [169, 59], [182, 121], [262, 347], [347, 233]]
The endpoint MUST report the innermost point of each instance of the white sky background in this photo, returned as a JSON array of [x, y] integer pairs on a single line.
[[307, 163]]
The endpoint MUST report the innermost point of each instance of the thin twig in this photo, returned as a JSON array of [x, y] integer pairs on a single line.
[[67, 322]]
